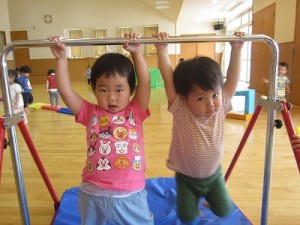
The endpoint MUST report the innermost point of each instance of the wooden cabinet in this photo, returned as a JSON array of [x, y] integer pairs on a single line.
[[295, 81], [190, 50], [263, 23], [21, 55]]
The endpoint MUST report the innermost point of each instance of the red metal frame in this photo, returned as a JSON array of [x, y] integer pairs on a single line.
[[289, 127], [34, 153]]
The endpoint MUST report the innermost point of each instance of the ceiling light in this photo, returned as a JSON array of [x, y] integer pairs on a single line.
[[230, 6], [162, 4]]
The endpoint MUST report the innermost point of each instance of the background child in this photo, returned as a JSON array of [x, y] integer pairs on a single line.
[[113, 182], [283, 82], [15, 90], [23, 80], [52, 88], [199, 101], [88, 74]]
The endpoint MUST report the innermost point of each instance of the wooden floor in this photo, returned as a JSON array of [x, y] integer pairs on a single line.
[[61, 146]]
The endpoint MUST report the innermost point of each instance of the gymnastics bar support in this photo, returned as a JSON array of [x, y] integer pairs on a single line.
[[119, 41]]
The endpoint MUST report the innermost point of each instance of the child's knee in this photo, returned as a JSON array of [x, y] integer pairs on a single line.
[[223, 211], [188, 217]]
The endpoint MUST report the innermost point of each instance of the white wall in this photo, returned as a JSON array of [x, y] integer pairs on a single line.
[[4, 25], [67, 14], [284, 18]]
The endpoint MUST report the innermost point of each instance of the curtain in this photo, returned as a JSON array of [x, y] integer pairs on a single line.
[[149, 31], [76, 51], [120, 33], [101, 49]]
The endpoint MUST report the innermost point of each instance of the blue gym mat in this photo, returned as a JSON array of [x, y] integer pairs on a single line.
[[162, 203], [65, 111]]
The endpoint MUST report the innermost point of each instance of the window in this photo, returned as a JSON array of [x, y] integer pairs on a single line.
[[242, 22], [120, 34], [2, 40], [100, 49], [76, 51], [148, 32]]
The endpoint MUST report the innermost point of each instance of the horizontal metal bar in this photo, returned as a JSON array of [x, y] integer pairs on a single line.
[[142, 40]]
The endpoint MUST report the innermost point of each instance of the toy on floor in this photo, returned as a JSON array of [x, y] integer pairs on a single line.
[[248, 96], [36, 106], [49, 107], [65, 111]]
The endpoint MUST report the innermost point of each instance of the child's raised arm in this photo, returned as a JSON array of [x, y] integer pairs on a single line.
[[234, 68], [165, 66], [70, 97], [142, 93]]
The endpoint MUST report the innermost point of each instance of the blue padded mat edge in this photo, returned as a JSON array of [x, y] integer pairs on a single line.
[[162, 203]]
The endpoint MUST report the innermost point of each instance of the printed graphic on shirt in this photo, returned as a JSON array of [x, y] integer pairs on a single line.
[[136, 147], [120, 133], [121, 147], [104, 148], [93, 136], [105, 134], [103, 164], [91, 149], [94, 120], [137, 163], [122, 162], [131, 119], [89, 166], [104, 120], [118, 119], [132, 133], [113, 141]]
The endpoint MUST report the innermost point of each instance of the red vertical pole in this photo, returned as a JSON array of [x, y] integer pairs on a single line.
[[243, 141], [290, 129], [38, 161], [2, 143]]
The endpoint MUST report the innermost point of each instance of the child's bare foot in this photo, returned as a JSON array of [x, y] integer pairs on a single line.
[[206, 205]]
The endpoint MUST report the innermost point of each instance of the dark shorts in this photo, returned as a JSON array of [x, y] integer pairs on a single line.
[[190, 190], [27, 98]]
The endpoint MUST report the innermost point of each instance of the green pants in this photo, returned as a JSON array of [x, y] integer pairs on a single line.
[[190, 189]]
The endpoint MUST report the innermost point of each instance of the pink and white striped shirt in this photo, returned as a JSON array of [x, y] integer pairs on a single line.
[[197, 143]]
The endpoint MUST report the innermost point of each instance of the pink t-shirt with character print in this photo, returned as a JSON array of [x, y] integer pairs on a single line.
[[115, 147]]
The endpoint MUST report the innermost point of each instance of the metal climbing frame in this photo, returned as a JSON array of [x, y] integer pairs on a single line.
[[119, 41]]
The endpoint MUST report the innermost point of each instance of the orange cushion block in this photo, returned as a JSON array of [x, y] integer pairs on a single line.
[[49, 107]]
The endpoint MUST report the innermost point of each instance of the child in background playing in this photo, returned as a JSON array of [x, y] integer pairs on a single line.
[[52, 89], [15, 90], [88, 74], [113, 179], [23, 80], [199, 101], [283, 82]]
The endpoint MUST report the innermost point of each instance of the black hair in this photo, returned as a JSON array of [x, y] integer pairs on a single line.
[[202, 71], [284, 64], [51, 71], [111, 63], [14, 74], [25, 69]]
